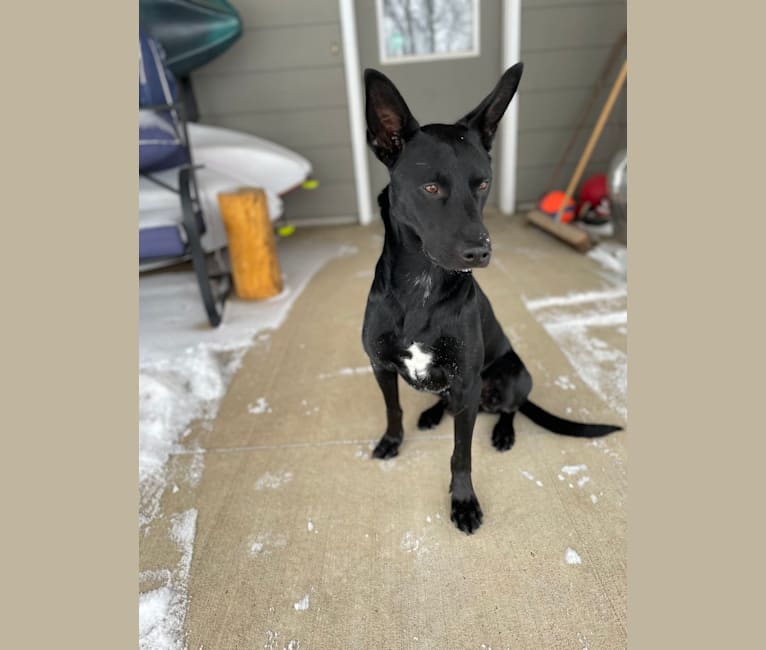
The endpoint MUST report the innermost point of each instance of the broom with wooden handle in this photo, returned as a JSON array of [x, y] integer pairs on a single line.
[[571, 234]]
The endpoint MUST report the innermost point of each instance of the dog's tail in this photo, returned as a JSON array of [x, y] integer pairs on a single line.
[[556, 424]]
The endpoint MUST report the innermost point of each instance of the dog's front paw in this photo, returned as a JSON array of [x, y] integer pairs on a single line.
[[503, 436], [387, 448], [466, 515]]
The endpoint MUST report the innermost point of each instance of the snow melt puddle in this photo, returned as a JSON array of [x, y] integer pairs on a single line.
[[184, 370], [573, 321], [162, 612]]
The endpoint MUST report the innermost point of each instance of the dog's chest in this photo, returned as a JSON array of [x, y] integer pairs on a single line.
[[427, 367]]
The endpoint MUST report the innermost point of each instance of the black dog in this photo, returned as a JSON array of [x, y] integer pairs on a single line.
[[426, 318]]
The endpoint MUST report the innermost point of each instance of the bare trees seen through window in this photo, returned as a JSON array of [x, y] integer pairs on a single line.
[[426, 28]]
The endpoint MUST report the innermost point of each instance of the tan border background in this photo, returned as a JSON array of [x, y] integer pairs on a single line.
[[69, 241], [70, 325], [694, 292]]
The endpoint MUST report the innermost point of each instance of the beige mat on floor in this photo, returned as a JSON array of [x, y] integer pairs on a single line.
[[304, 541]]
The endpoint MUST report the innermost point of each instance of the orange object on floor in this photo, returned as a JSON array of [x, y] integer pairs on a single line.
[[551, 204], [252, 246]]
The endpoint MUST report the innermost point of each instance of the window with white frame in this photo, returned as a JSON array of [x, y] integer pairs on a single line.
[[423, 30]]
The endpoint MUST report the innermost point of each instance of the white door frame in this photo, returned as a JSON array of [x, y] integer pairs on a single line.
[[355, 99]]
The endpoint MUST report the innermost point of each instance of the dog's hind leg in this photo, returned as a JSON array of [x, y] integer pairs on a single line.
[[503, 435], [432, 416], [388, 446]]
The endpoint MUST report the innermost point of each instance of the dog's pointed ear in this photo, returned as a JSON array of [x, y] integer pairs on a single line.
[[389, 122], [486, 116]]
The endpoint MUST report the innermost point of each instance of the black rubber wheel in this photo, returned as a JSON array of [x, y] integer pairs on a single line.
[[213, 300]]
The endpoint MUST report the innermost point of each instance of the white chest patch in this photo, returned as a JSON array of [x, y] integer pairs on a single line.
[[418, 363]]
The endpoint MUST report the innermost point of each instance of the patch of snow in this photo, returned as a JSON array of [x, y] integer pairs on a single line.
[[273, 481], [612, 256], [564, 383], [572, 557], [411, 543], [536, 304], [260, 406], [571, 470], [570, 320], [347, 372], [264, 544], [529, 476], [173, 393], [302, 604], [162, 612]]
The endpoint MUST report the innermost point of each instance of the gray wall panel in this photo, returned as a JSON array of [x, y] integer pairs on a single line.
[[271, 13], [562, 108], [563, 69], [279, 48], [544, 147], [563, 27], [331, 164], [271, 91], [328, 200]]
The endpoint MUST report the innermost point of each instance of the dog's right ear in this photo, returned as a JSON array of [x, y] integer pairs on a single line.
[[389, 122]]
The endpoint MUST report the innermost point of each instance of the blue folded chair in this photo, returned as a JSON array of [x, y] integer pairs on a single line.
[[163, 145]]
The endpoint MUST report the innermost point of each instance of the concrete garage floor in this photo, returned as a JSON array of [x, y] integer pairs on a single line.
[[291, 536]]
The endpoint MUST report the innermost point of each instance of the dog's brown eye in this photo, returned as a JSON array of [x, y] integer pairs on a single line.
[[431, 188], [483, 185]]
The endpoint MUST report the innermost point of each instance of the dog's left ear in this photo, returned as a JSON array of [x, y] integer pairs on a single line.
[[486, 116]]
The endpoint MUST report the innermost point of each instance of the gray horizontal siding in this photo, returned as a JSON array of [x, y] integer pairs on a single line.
[[562, 108], [331, 164], [273, 13], [279, 48], [545, 147], [532, 5], [571, 26], [563, 69], [328, 200], [271, 91]]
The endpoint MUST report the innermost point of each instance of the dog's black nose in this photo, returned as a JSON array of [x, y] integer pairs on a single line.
[[476, 255]]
